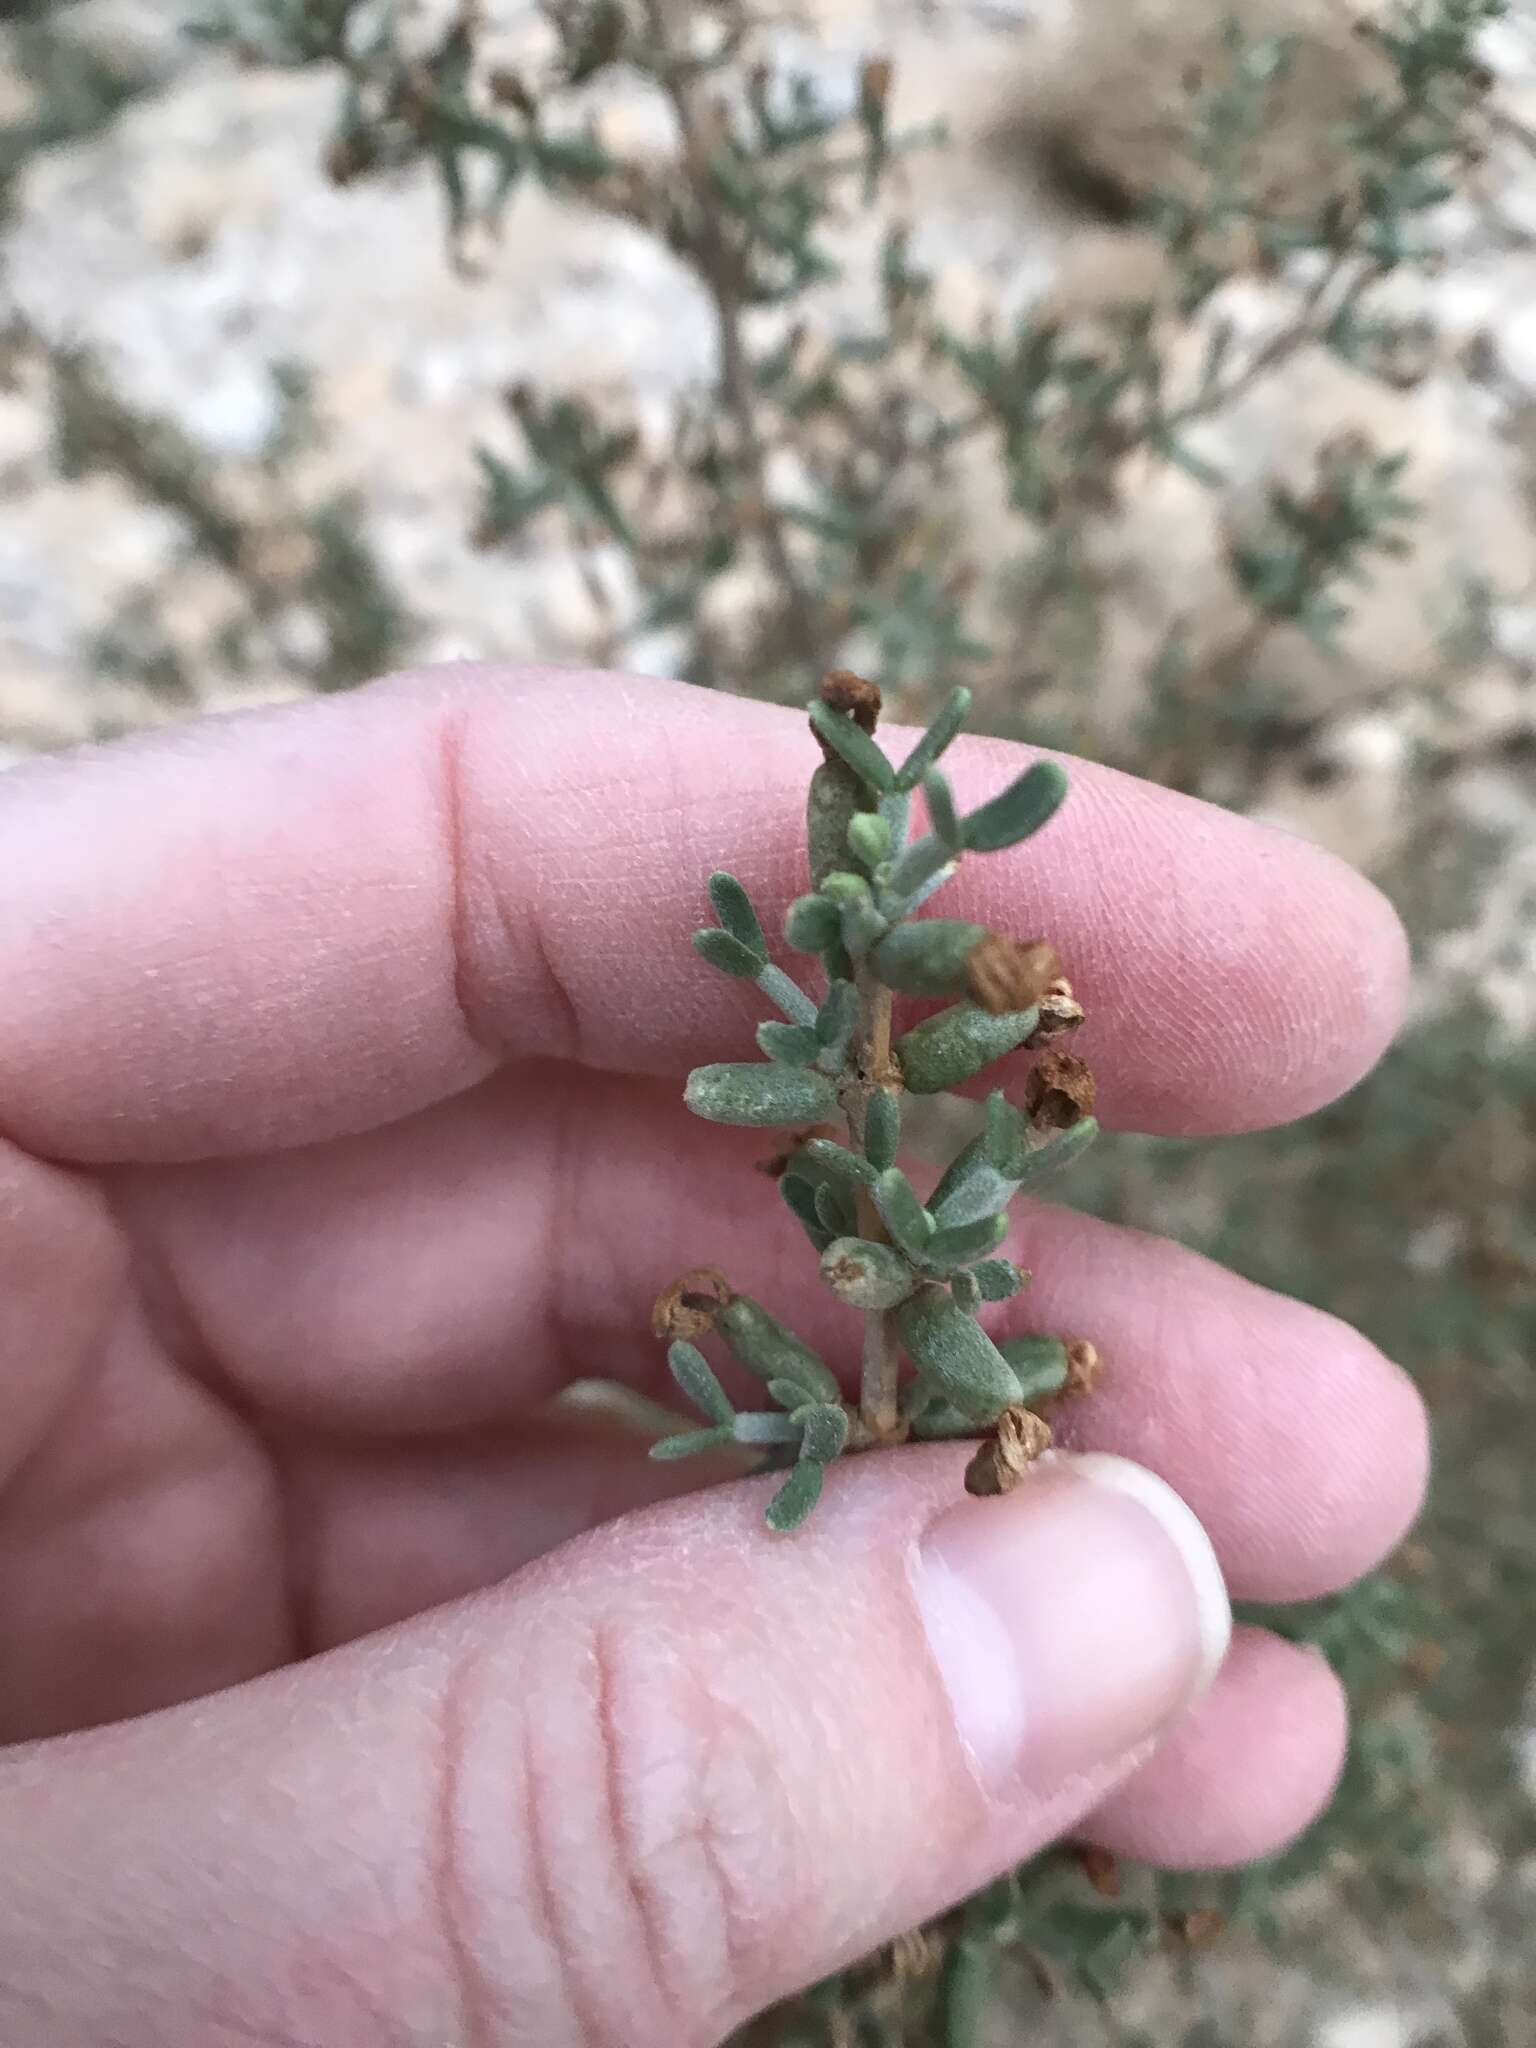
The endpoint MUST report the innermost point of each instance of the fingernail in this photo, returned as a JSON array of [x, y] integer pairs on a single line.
[[1073, 1619]]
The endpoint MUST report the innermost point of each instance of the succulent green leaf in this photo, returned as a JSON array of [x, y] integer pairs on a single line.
[[788, 1393], [863, 925], [799, 1196], [1058, 1151], [826, 1434], [963, 1287], [837, 1018], [952, 715], [760, 1096], [941, 811], [958, 1043], [791, 1045], [689, 1444], [1007, 1133], [786, 995], [733, 907], [834, 1210], [765, 1428], [856, 748], [766, 1348], [836, 795], [971, 1188], [896, 809], [927, 958], [939, 1422], [796, 1497], [691, 1369], [925, 865], [827, 1154], [955, 1355], [866, 1275], [901, 1212], [1028, 802], [869, 838], [725, 951], [1039, 1364], [999, 1280], [960, 1243], [882, 1128], [812, 923]]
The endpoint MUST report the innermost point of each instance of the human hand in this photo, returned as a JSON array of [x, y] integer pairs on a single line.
[[339, 1083]]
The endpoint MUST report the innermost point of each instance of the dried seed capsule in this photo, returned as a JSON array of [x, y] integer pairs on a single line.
[[1059, 1092], [1005, 1458], [1004, 975]]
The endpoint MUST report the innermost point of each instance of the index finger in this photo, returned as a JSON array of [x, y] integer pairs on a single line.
[[269, 929]]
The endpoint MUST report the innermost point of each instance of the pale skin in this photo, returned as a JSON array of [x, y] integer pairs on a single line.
[[340, 1083]]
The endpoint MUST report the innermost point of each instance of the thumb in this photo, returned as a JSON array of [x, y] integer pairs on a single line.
[[675, 1770]]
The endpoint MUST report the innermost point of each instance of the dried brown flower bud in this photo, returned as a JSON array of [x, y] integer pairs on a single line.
[[842, 690], [1003, 976], [1022, 1436], [1101, 1868], [1059, 1091], [875, 86], [688, 1308], [1060, 1012]]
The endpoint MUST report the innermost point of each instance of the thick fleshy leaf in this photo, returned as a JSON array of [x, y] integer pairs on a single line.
[[766, 1348], [901, 1212], [796, 1497], [836, 1022], [882, 1128], [1020, 810], [826, 1434], [799, 1196], [961, 1243], [951, 717], [941, 811], [691, 1369], [733, 907], [765, 1428], [999, 1280], [855, 747], [836, 795], [955, 1355], [789, 1045], [928, 958], [725, 951], [958, 1043], [689, 1444], [869, 838], [760, 1096], [812, 923], [833, 1158], [1039, 1364], [967, 1295]]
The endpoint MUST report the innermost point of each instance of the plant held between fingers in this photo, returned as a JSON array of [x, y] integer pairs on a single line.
[[918, 1269]]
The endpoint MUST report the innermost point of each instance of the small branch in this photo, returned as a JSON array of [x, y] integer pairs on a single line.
[[716, 269], [879, 1385]]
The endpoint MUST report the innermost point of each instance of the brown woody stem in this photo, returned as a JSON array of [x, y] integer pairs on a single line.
[[879, 1407]]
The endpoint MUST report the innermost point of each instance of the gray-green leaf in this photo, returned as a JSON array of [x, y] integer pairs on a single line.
[[958, 1043], [955, 1355], [1028, 802], [951, 716], [691, 1369], [866, 1275], [733, 907], [790, 1045], [796, 1497], [855, 746], [759, 1096], [725, 951]]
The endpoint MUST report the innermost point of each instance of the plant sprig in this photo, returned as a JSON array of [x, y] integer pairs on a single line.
[[919, 1270]]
